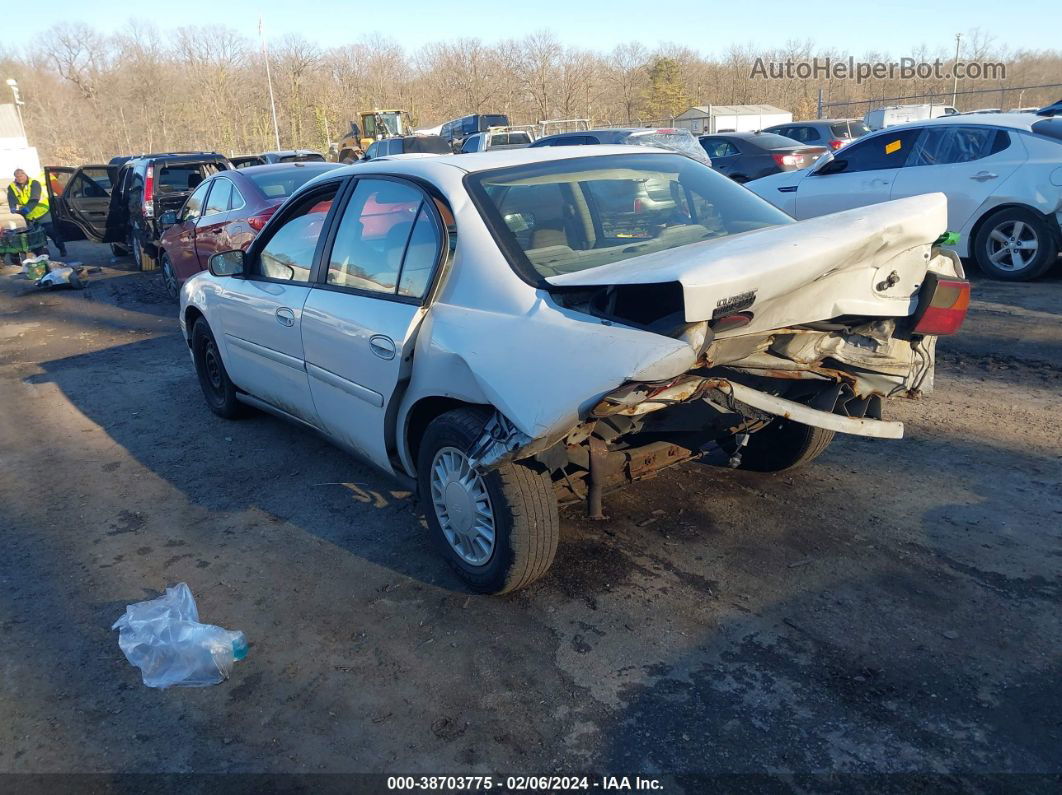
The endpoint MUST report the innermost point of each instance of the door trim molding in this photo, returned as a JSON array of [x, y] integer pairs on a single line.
[[266, 353], [370, 396]]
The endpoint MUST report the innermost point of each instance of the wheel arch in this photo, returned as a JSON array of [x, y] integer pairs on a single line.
[[192, 313], [975, 228], [417, 419]]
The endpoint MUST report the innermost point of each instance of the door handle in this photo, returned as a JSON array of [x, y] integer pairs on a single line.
[[382, 346], [983, 176], [285, 316]]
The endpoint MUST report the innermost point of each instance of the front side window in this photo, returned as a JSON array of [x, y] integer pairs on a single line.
[[220, 195], [193, 205], [563, 216], [384, 225], [289, 253], [889, 150]]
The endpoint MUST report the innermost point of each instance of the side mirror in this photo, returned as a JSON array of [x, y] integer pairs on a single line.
[[227, 263], [835, 166], [168, 218]]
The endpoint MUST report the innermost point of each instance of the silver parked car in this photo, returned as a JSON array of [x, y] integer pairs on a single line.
[[505, 331]]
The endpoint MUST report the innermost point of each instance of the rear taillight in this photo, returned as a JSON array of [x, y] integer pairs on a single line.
[[149, 193], [942, 305], [789, 161], [836, 144], [256, 222]]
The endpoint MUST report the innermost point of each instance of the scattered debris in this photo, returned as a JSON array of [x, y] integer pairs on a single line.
[[164, 639]]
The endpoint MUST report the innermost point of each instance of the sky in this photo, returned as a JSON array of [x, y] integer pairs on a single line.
[[710, 28]]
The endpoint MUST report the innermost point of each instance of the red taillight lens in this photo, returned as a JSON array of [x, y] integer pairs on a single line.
[[256, 222], [789, 161], [943, 305], [836, 143], [149, 192]]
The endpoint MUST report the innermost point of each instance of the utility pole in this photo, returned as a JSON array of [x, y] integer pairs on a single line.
[[269, 80], [954, 71], [13, 85]]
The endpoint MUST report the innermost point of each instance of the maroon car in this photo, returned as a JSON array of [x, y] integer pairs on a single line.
[[225, 212]]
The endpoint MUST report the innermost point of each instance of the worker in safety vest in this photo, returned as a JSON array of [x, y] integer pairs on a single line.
[[28, 198]]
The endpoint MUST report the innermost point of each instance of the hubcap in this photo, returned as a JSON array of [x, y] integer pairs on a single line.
[[1012, 246], [462, 506]]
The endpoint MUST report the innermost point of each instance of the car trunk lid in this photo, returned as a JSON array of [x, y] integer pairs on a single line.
[[867, 262]]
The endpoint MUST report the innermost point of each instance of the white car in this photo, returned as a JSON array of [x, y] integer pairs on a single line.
[[1002, 176], [507, 330]]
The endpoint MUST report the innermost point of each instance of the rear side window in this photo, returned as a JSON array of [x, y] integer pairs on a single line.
[[1049, 128], [719, 147], [220, 195], [371, 241], [946, 145], [236, 202]]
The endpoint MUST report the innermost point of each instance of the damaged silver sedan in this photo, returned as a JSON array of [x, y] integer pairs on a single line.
[[510, 331]]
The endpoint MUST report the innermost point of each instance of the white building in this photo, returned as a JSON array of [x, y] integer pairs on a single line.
[[702, 119], [15, 151]]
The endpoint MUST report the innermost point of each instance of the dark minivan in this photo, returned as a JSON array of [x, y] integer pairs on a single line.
[[120, 203]]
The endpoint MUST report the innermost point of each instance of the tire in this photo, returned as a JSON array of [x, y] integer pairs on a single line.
[[119, 250], [783, 445], [518, 500], [218, 389], [144, 261], [1015, 232], [169, 278]]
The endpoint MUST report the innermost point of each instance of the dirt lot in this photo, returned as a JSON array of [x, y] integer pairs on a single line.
[[893, 607]]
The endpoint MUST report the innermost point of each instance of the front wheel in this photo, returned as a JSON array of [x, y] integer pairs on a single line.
[[783, 445], [1015, 245], [218, 389], [498, 529]]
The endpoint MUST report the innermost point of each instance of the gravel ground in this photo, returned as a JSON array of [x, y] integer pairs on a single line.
[[893, 607]]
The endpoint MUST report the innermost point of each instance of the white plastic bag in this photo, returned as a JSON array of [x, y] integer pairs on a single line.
[[164, 639]]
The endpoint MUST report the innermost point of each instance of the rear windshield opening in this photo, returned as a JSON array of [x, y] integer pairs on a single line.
[[558, 217], [279, 183]]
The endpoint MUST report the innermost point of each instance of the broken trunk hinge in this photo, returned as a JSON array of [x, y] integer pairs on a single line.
[[498, 438], [594, 492]]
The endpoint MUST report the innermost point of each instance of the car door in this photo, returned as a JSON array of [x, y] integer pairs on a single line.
[[83, 206], [966, 163], [260, 315], [860, 174], [182, 250], [210, 227], [360, 326]]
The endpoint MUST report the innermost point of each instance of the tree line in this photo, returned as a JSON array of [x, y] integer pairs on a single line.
[[91, 95]]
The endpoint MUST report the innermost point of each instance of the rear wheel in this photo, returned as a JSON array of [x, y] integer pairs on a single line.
[[498, 529], [1015, 245], [783, 445], [218, 389], [143, 259], [169, 278]]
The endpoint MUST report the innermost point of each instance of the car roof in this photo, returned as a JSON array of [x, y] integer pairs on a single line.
[[1016, 121], [472, 162]]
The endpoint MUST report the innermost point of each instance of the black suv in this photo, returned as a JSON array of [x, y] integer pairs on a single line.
[[120, 203]]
